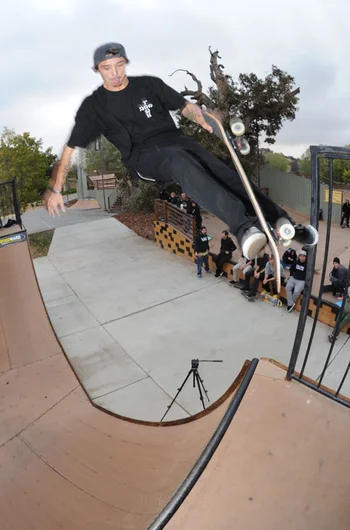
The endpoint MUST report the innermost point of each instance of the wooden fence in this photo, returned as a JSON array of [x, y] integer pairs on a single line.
[[176, 217]]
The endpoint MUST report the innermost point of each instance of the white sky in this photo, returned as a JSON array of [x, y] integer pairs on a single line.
[[47, 48]]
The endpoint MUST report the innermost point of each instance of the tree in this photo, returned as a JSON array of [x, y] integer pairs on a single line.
[[277, 161], [108, 160], [263, 105], [22, 156], [341, 168]]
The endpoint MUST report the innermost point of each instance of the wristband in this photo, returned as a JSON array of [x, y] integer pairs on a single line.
[[53, 190]]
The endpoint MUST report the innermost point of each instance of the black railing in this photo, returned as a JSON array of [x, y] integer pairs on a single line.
[[313, 380], [9, 206], [176, 217]]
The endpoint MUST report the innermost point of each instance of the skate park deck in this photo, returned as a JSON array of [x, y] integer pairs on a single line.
[[65, 463], [130, 318]]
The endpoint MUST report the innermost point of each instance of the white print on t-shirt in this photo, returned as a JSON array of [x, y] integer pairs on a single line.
[[300, 267], [145, 106]]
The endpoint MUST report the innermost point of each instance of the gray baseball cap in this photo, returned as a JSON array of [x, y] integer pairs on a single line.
[[108, 51]]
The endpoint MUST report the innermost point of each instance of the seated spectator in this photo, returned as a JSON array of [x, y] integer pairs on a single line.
[[225, 254], [258, 273], [183, 201], [289, 257], [201, 248], [270, 277], [245, 265], [343, 318], [338, 278], [296, 281], [193, 209], [173, 199]]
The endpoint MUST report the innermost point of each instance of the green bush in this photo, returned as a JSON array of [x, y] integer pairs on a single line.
[[143, 199]]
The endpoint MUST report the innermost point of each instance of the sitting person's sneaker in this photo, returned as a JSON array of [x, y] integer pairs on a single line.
[[331, 337], [253, 241], [306, 235]]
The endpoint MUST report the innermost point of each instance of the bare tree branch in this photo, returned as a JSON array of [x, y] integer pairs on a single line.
[[218, 77], [295, 92], [197, 95]]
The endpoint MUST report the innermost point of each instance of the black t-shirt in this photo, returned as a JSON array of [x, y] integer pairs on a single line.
[[141, 111]]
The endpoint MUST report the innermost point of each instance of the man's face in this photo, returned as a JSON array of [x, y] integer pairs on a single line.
[[113, 73], [183, 196], [271, 260], [172, 195], [336, 265], [224, 236], [302, 258], [204, 231]]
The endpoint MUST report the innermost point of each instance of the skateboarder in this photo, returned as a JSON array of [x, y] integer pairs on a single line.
[[133, 114]]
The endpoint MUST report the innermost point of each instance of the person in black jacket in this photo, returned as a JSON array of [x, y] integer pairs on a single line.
[[338, 278], [345, 213], [193, 209], [172, 199], [289, 257], [201, 248], [258, 273], [133, 113], [225, 254], [296, 282]]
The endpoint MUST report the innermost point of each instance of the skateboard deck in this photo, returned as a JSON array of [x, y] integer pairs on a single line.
[[212, 118], [271, 299]]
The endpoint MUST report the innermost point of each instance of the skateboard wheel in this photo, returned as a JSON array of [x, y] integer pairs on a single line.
[[285, 229], [245, 149], [237, 126]]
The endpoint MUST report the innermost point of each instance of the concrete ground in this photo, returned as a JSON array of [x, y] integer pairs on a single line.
[[38, 220], [131, 316]]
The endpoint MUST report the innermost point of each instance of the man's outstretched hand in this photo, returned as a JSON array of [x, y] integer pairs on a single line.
[[54, 202], [194, 113]]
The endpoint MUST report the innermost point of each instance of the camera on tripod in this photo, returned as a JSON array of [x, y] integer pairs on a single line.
[[196, 378]]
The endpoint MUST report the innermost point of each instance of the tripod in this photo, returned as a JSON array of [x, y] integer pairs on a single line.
[[196, 377]]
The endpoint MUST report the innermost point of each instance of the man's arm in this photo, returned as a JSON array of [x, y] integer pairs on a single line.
[[194, 113], [53, 197]]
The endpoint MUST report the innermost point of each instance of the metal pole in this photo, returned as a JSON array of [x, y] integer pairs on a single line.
[[315, 201]]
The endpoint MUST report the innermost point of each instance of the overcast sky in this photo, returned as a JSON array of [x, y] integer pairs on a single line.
[[47, 47]]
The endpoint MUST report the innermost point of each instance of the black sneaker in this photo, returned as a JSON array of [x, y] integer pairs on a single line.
[[306, 235], [249, 295]]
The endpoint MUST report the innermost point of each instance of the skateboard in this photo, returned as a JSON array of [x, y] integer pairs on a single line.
[[239, 143], [245, 294], [271, 298]]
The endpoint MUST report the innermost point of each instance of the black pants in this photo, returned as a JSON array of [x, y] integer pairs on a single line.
[[212, 184], [345, 217], [272, 286], [335, 287], [220, 260], [256, 281]]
